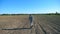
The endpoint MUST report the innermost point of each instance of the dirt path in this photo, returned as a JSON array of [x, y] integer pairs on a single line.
[[40, 26]]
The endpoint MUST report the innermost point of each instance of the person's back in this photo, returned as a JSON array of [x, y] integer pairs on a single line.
[[31, 19]]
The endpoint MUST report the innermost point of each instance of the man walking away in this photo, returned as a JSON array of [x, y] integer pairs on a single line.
[[31, 20]]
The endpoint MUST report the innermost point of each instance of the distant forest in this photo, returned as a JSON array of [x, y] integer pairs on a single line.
[[32, 14]]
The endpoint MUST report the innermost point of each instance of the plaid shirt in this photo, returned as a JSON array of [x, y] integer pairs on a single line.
[[30, 18]]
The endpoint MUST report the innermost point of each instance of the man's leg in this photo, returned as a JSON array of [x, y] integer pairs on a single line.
[[31, 25]]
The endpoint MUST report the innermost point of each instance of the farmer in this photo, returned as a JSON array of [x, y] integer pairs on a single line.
[[31, 19]]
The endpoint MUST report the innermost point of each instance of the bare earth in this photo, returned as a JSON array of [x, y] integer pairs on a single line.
[[43, 24]]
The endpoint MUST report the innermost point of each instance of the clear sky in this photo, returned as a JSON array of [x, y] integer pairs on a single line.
[[29, 6]]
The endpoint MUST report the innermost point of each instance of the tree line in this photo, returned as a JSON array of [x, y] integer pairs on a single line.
[[32, 14]]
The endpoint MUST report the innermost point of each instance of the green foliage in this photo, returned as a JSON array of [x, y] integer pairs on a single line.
[[12, 14], [28, 14]]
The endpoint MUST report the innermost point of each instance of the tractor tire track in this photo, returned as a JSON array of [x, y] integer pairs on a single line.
[[42, 29]]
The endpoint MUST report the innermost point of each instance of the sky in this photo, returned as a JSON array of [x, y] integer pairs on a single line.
[[29, 6]]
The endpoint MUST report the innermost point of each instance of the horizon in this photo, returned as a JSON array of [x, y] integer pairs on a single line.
[[29, 6]]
